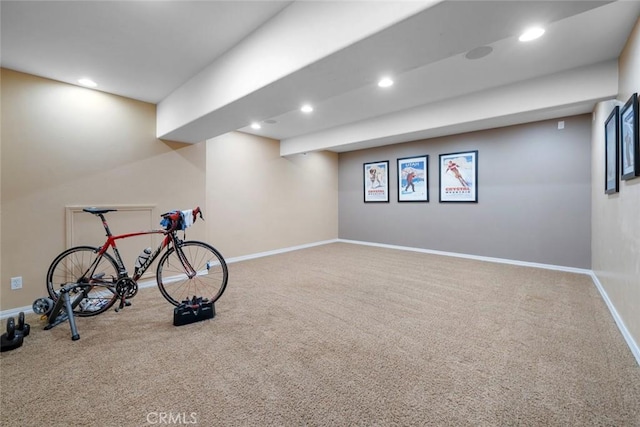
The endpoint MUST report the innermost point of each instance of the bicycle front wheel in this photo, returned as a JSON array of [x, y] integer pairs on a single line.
[[95, 275], [211, 276]]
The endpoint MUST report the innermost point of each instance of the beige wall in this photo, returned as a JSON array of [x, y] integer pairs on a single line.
[[615, 218], [65, 145], [258, 201], [1, 127]]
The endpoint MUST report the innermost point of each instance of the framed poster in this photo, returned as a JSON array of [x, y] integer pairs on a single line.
[[459, 177], [413, 179], [611, 135], [629, 145], [376, 181]]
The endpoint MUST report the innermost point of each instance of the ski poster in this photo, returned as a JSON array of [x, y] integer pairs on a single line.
[[376, 182], [413, 179], [459, 177]]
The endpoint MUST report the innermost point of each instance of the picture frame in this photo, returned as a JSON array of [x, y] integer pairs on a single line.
[[376, 182], [611, 151], [413, 179], [459, 177], [629, 143]]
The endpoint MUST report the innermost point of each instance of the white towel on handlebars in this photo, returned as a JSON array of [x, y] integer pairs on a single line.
[[187, 218]]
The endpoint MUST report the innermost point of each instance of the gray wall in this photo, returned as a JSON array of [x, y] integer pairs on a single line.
[[534, 200]]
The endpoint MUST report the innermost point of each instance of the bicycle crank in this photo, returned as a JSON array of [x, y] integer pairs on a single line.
[[126, 287]]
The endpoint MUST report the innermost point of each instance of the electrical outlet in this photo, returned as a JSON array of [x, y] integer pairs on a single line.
[[16, 282]]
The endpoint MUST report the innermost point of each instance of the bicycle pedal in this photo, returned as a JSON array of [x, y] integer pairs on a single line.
[[122, 305]]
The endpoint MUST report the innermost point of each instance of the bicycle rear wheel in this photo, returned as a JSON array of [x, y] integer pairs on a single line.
[[97, 276], [209, 282]]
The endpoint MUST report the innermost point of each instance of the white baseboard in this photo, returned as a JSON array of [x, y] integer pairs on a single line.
[[633, 346], [28, 309], [621, 326], [279, 251], [475, 257], [13, 312]]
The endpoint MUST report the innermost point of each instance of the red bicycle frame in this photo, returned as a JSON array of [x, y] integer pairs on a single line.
[[169, 236]]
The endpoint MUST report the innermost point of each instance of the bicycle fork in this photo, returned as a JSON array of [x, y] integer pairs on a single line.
[[188, 268]]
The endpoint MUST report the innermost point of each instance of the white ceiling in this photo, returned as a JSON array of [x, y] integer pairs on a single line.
[[138, 49], [147, 50]]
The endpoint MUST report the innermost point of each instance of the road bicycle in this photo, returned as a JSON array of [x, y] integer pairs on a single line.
[[186, 268]]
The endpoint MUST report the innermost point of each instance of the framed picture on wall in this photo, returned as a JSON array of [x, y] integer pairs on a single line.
[[459, 177], [413, 179], [611, 137], [629, 145], [376, 181]]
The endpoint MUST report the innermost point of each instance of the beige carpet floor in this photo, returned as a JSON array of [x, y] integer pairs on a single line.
[[340, 335]]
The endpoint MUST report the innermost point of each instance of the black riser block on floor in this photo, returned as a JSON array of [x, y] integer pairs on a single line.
[[187, 312]]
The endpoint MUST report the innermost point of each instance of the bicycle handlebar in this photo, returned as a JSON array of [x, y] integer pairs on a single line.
[[176, 216]]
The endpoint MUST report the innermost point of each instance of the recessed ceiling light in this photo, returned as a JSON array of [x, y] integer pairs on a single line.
[[87, 82], [306, 108], [385, 82], [531, 34], [255, 125]]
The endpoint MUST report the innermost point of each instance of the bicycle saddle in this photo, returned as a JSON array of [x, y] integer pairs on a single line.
[[97, 211]]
